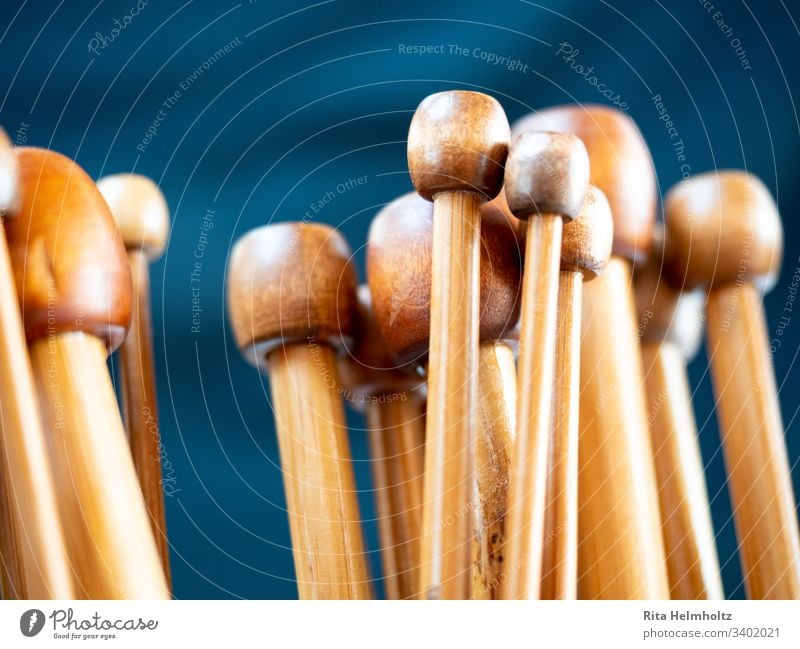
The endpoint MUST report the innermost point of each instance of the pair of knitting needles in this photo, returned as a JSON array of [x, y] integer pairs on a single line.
[[79, 524]]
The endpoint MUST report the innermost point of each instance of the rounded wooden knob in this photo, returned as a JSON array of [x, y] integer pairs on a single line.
[[368, 370], [586, 241], [9, 194], [458, 141], [399, 266], [546, 173], [620, 166], [290, 283], [721, 228], [69, 262], [667, 314], [140, 211]]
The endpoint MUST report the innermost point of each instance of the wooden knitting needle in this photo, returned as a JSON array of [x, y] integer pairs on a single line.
[[74, 286], [670, 323], [723, 232], [142, 217], [31, 543], [399, 269], [393, 401], [457, 145], [291, 301], [547, 175], [585, 250], [620, 549]]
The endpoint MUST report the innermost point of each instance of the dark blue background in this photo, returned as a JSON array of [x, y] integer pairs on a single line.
[[312, 98]]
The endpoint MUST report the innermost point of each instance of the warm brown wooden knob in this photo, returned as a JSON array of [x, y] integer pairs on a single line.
[[290, 283], [620, 166], [722, 228], [399, 274], [586, 241], [546, 173], [140, 210], [8, 177], [368, 369], [69, 261], [667, 314], [458, 141]]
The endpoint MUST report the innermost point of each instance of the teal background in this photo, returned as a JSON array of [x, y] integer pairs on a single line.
[[314, 94]]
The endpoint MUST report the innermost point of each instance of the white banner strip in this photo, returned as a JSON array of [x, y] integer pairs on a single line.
[[401, 625]]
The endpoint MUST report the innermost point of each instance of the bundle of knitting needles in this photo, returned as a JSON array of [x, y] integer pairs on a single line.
[[518, 348]]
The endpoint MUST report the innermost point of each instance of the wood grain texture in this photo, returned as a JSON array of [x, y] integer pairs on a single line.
[[451, 422], [318, 475], [140, 405], [526, 511], [560, 546], [397, 449], [621, 167], [107, 529], [752, 440], [34, 562], [497, 395], [692, 564], [620, 549]]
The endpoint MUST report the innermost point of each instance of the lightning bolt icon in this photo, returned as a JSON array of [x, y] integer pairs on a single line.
[[32, 620]]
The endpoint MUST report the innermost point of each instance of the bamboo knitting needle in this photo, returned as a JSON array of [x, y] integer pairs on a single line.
[[393, 401], [670, 322], [291, 301], [399, 269], [620, 551], [457, 145], [36, 566], [585, 250], [723, 232], [142, 217], [74, 285], [547, 176]]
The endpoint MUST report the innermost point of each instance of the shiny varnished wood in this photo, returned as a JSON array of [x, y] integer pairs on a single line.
[[547, 177], [291, 302], [74, 286], [621, 554], [142, 218], [457, 145], [723, 233]]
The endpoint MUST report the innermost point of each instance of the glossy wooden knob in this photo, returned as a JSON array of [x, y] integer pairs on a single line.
[[620, 166], [722, 228], [368, 369], [140, 210], [399, 274], [458, 141], [290, 283], [69, 261], [546, 173], [586, 241], [9, 194]]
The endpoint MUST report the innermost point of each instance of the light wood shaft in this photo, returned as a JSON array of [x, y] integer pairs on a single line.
[[107, 529], [137, 371], [560, 546], [397, 447], [525, 521], [692, 564], [620, 547], [497, 380], [753, 443], [445, 570], [38, 558], [317, 473]]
